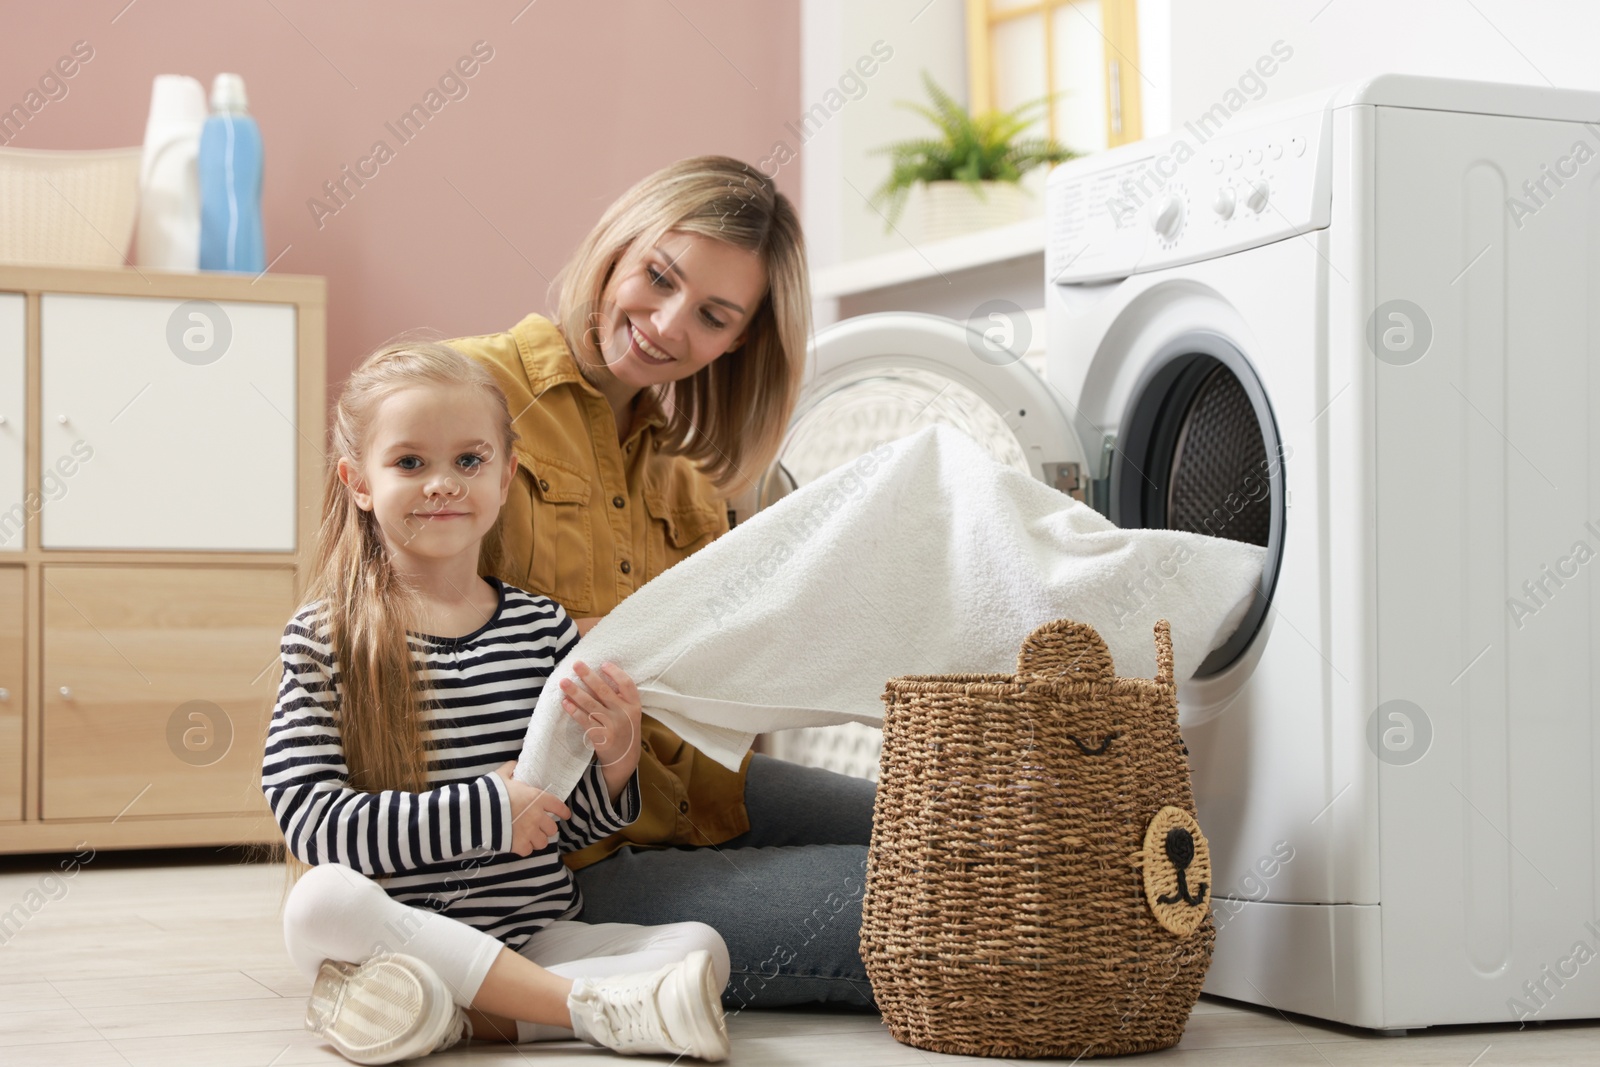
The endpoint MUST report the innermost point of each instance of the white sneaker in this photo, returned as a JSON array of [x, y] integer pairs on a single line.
[[390, 1008], [676, 1010]]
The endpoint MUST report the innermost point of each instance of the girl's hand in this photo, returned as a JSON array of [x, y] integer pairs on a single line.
[[533, 813], [585, 625], [605, 704]]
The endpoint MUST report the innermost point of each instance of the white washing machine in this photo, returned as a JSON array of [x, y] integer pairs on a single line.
[[1356, 328]]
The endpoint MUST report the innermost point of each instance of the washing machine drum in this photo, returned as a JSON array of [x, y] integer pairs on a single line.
[[1198, 450]]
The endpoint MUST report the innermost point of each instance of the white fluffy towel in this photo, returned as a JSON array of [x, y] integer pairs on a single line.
[[924, 556]]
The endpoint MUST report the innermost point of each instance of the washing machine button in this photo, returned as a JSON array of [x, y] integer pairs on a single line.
[[1256, 199], [1168, 217], [1224, 202]]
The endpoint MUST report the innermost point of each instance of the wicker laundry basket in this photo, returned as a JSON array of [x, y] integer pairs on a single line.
[[1037, 884]]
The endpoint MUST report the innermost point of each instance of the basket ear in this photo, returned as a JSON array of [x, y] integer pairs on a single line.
[[1065, 649], [1163, 652]]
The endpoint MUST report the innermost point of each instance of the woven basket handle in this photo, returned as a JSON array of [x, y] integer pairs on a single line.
[[1065, 649], [1163, 652]]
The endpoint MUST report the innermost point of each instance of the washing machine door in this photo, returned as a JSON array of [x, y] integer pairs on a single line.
[[880, 377]]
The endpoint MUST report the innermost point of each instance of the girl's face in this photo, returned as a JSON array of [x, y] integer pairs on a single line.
[[670, 310], [432, 476]]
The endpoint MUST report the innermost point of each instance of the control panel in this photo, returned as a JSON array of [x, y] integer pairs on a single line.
[[1202, 191]]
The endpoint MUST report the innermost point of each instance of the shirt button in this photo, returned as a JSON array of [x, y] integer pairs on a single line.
[[644, 746], [544, 486], [683, 806], [618, 501], [627, 568]]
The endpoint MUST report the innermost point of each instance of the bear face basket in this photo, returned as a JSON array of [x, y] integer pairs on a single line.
[[1037, 884]]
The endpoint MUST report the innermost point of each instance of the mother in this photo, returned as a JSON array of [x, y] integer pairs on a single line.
[[661, 388]]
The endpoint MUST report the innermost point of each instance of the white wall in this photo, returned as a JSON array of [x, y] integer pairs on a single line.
[[1537, 42]]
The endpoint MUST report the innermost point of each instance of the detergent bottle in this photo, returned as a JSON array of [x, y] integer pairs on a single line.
[[230, 182]]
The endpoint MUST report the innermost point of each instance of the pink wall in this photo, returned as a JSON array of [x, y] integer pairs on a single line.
[[579, 100]]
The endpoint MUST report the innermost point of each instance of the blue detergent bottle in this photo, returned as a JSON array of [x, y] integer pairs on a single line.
[[230, 182]]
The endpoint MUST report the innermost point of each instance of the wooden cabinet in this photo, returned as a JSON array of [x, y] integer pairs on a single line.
[[11, 692], [158, 685], [163, 444], [13, 419]]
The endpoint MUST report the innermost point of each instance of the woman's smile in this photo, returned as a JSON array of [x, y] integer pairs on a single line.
[[644, 349]]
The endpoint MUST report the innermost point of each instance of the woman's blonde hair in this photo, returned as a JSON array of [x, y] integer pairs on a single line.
[[364, 604], [729, 417]]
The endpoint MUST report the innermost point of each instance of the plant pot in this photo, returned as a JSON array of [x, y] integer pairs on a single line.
[[952, 208]]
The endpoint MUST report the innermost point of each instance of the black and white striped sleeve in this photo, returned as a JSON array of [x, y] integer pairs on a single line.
[[594, 815], [304, 777]]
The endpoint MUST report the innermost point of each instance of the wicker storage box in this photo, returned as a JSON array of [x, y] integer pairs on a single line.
[[1037, 884], [68, 208]]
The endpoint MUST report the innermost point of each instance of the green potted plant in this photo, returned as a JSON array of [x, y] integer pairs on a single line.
[[971, 171]]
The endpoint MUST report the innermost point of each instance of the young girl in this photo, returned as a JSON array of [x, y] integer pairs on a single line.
[[434, 904]]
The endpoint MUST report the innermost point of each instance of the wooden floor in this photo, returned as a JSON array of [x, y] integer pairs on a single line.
[[165, 959]]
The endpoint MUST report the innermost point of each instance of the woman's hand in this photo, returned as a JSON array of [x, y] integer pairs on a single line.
[[533, 813], [605, 704]]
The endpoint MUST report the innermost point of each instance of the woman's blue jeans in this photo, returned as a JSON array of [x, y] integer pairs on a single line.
[[786, 895]]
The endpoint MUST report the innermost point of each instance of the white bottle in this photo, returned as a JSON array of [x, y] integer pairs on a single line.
[[169, 180]]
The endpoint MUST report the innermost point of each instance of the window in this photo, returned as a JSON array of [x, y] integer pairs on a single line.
[[1083, 54]]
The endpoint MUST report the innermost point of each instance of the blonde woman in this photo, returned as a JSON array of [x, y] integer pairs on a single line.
[[432, 903], [661, 387]]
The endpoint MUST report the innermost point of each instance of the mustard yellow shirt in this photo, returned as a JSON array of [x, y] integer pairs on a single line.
[[590, 519]]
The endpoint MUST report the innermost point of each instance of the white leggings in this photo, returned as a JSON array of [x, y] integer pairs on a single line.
[[337, 913]]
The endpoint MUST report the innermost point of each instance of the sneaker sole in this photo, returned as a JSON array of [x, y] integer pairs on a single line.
[[703, 1023], [387, 1009]]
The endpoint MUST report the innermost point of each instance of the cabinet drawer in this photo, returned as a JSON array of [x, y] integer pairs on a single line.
[[12, 606], [167, 424], [158, 686], [13, 393]]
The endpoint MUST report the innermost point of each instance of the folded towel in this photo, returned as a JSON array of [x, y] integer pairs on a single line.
[[924, 556]]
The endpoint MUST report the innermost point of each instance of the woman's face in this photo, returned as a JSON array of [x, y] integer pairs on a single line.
[[672, 309]]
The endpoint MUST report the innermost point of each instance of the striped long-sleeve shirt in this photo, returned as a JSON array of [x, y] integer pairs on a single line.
[[447, 849]]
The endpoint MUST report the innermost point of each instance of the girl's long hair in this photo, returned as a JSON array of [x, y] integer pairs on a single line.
[[365, 606], [730, 417]]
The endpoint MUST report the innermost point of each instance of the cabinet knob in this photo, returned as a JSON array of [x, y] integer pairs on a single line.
[[66, 694], [2, 420], [5, 695], [62, 419]]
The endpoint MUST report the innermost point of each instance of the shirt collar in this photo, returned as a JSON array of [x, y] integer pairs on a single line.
[[549, 362]]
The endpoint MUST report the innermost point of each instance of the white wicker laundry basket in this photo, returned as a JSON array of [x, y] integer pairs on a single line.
[[71, 209]]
